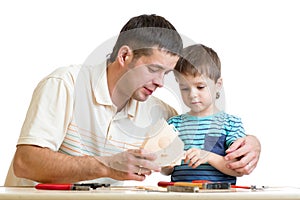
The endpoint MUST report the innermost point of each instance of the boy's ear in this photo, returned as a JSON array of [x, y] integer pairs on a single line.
[[219, 84], [124, 55]]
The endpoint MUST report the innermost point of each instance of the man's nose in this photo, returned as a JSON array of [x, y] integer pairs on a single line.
[[159, 80]]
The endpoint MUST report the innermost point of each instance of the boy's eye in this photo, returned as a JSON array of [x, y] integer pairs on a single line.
[[184, 89], [201, 87]]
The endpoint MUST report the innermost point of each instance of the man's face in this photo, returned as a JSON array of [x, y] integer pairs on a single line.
[[147, 73]]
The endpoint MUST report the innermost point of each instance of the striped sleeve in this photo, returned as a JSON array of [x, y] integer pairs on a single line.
[[234, 128]]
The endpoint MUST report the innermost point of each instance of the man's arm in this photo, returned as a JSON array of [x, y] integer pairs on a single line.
[[247, 151], [44, 165]]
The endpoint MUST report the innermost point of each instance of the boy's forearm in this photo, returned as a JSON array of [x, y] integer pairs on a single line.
[[167, 170], [220, 163]]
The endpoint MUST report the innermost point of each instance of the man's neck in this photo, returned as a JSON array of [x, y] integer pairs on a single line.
[[118, 98]]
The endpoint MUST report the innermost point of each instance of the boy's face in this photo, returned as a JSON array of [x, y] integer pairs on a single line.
[[147, 73], [198, 93]]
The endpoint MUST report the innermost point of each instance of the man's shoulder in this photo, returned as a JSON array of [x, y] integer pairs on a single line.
[[66, 72]]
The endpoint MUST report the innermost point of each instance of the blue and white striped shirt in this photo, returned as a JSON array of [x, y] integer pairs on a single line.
[[213, 133]]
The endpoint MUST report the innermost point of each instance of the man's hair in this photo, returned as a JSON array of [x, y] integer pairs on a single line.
[[199, 60], [144, 32]]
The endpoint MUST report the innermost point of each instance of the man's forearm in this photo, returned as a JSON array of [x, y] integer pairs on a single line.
[[44, 165]]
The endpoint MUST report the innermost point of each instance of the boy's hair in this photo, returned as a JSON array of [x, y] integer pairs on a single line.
[[144, 32], [199, 60]]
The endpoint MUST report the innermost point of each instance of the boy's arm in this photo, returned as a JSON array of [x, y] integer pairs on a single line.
[[195, 157], [220, 164], [167, 170]]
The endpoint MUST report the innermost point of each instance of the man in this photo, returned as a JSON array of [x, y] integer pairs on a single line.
[[86, 123]]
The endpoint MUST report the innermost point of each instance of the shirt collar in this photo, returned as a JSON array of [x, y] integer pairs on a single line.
[[99, 84], [132, 106]]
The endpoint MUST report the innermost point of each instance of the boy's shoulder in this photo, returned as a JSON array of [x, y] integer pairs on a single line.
[[230, 120], [176, 118], [230, 117]]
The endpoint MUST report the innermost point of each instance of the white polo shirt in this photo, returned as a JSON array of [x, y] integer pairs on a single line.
[[71, 112]]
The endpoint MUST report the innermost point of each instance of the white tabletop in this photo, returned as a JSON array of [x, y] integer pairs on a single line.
[[132, 194]]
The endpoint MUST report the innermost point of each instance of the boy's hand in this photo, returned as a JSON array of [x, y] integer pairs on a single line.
[[195, 157]]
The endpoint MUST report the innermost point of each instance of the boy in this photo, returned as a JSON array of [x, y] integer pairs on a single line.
[[206, 131]]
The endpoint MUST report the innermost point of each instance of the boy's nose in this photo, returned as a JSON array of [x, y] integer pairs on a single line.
[[193, 93]]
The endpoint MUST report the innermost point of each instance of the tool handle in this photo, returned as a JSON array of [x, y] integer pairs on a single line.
[[165, 183], [42, 186]]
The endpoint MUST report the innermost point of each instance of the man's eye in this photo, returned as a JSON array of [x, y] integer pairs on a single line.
[[153, 69], [200, 87]]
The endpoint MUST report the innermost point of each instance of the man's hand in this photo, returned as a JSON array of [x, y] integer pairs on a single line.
[[130, 165], [247, 151]]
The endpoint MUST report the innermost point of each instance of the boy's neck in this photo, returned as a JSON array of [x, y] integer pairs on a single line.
[[205, 113]]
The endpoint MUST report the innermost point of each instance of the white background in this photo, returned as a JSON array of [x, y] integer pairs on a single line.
[[257, 41]]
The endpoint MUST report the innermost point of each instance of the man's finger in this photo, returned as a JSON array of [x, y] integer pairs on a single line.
[[142, 153], [149, 165], [245, 164], [236, 145], [238, 153], [137, 177], [245, 170]]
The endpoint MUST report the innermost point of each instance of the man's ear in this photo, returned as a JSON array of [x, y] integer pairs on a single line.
[[125, 55]]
